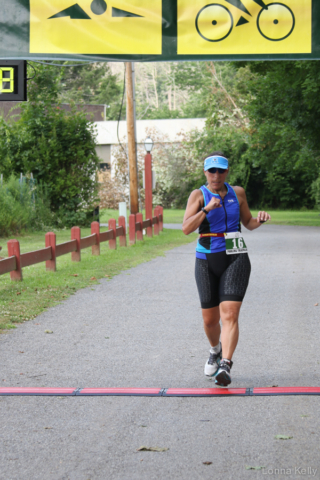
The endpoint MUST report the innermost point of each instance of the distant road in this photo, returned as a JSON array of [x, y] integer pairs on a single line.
[[173, 226]]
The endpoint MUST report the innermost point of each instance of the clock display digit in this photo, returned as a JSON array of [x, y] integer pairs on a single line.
[[13, 81], [6, 80]]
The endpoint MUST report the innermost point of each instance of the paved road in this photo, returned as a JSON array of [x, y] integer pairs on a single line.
[[173, 226], [143, 329]]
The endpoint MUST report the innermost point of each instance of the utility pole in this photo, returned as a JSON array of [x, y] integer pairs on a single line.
[[133, 173]]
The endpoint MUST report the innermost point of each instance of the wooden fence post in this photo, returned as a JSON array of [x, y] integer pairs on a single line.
[[76, 235], [149, 229], [95, 228], [161, 221], [112, 226], [51, 265], [139, 218], [14, 250], [122, 238], [132, 229], [156, 225]]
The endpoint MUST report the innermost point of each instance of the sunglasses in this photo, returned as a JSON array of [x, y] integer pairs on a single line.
[[214, 170]]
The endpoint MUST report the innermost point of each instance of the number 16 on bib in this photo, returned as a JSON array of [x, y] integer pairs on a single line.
[[235, 243]]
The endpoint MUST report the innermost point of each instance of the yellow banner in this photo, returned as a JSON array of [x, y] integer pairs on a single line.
[[96, 27], [244, 27]]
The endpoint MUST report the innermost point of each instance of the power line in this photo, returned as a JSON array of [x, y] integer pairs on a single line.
[[121, 106], [60, 65]]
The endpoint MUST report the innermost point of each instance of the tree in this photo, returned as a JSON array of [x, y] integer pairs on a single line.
[[284, 144], [57, 147], [265, 117], [166, 90], [92, 83]]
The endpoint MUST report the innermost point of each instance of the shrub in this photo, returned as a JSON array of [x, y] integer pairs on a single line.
[[23, 206], [315, 188]]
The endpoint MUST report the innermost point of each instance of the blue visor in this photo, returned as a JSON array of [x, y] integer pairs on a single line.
[[215, 162]]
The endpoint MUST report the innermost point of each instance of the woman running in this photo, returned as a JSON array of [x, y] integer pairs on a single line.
[[222, 264]]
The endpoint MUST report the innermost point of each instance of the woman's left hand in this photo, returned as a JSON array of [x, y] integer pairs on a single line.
[[263, 217]]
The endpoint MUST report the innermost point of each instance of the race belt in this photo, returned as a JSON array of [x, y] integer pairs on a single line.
[[202, 235], [234, 242]]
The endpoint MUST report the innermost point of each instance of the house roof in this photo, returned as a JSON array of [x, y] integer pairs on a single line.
[[165, 130], [95, 113]]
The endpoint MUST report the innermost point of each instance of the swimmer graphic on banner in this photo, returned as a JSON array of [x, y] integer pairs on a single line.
[[96, 27]]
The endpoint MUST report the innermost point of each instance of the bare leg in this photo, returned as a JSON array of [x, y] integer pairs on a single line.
[[230, 327], [211, 317]]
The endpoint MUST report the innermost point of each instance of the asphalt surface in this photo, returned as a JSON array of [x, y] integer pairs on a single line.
[[143, 328]]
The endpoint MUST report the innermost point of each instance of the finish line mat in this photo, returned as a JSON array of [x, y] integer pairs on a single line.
[[158, 392]]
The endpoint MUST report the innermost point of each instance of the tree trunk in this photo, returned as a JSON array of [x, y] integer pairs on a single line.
[[154, 76], [169, 97]]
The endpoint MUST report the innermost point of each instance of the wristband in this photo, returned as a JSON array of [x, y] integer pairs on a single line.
[[204, 210]]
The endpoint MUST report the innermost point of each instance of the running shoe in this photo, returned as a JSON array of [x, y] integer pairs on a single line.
[[212, 364], [223, 377]]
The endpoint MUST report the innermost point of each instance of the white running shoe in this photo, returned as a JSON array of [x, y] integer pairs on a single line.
[[212, 364]]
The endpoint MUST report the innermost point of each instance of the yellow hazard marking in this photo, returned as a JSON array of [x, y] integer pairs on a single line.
[[95, 27], [238, 28]]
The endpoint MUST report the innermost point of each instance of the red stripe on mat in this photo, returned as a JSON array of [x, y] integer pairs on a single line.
[[285, 390], [170, 392], [35, 391], [119, 391], [205, 391]]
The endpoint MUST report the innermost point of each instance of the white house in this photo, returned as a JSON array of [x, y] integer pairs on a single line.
[[169, 129]]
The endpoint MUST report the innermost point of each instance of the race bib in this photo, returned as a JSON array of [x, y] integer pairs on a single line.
[[235, 243]]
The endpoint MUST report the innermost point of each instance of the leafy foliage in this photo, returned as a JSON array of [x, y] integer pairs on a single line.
[[284, 142], [23, 207], [167, 91], [265, 117], [57, 147], [92, 83]]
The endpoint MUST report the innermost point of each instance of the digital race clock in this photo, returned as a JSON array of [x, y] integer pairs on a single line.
[[13, 80]]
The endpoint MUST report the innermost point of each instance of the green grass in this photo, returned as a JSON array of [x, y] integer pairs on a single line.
[[39, 290], [107, 213], [173, 215], [309, 218], [278, 217], [169, 215]]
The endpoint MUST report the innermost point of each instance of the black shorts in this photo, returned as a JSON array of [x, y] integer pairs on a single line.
[[222, 278]]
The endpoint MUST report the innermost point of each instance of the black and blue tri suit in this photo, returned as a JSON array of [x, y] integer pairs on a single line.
[[220, 277]]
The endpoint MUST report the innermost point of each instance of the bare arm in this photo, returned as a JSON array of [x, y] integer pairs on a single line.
[[245, 215], [193, 216]]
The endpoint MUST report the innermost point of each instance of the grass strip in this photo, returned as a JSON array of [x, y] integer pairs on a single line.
[[169, 215], [308, 218], [40, 290]]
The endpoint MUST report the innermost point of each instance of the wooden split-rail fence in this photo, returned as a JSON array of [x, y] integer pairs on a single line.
[[16, 261]]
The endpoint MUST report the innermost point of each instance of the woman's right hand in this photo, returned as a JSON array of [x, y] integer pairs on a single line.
[[213, 204]]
